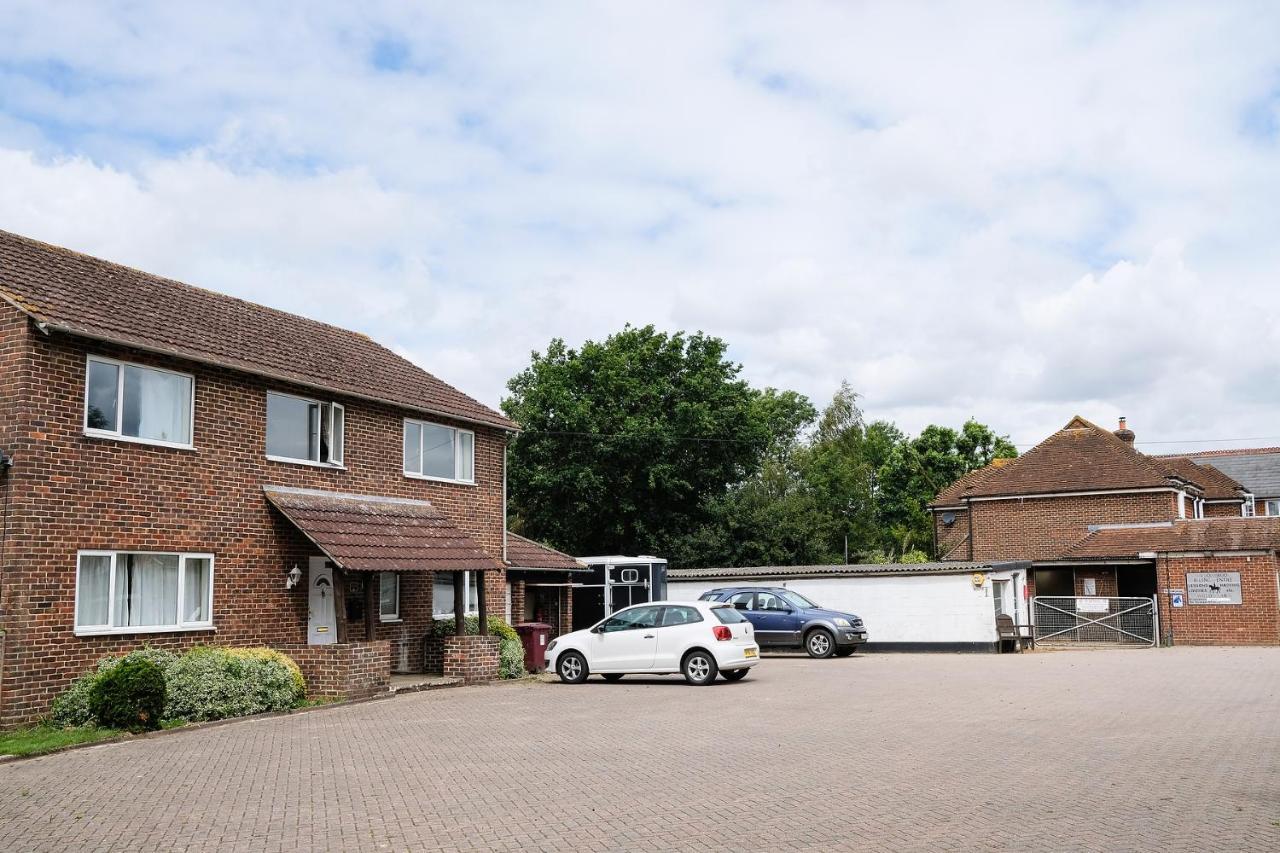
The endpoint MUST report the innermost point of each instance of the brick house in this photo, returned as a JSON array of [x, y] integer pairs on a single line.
[[186, 468], [1257, 468], [1097, 517]]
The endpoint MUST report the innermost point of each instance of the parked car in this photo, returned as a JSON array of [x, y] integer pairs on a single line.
[[785, 618], [698, 639]]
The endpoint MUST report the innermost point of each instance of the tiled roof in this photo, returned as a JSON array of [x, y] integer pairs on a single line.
[[1209, 534], [952, 495], [1235, 451], [1079, 457], [1217, 486], [524, 553], [85, 296], [837, 570], [1259, 472], [368, 533]]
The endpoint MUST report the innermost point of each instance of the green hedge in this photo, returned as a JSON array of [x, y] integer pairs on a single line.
[[129, 696], [510, 649], [206, 683]]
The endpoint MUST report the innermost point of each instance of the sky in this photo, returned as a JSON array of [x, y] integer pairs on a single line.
[[1016, 212]]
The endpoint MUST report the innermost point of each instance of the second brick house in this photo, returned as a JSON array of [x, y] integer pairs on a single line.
[[184, 467], [1097, 517]]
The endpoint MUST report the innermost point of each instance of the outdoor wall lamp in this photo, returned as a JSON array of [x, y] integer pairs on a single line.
[[295, 575]]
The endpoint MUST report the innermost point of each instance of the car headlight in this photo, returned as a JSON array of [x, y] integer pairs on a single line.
[[841, 622], [551, 645]]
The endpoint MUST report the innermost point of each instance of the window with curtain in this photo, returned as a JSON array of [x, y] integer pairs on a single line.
[[389, 596], [125, 592], [135, 402], [442, 597], [302, 430], [439, 452]]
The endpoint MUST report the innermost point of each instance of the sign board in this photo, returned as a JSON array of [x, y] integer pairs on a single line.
[[1213, 587], [1175, 598], [1090, 586], [1092, 605]]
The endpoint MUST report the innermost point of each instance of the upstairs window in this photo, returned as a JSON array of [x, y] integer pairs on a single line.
[[136, 403], [439, 452], [302, 430], [1272, 507]]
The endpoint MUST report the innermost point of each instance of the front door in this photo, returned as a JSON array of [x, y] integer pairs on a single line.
[[322, 611]]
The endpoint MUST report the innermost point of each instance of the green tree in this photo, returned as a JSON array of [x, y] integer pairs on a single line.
[[915, 470], [628, 442]]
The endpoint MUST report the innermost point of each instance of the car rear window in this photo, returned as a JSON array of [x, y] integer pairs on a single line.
[[728, 615]]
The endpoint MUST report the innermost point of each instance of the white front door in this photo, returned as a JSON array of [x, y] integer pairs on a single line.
[[322, 612]]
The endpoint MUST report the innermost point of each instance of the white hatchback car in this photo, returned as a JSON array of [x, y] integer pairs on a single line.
[[696, 638]]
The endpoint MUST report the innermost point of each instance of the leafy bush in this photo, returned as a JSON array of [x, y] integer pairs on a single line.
[[915, 557], [71, 707], [510, 649], [211, 683], [207, 683], [130, 696], [445, 627], [510, 658]]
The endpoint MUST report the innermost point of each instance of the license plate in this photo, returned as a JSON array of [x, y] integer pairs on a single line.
[[749, 653]]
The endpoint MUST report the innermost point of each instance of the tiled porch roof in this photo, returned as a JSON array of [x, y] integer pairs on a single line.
[[368, 533], [524, 553], [1209, 534]]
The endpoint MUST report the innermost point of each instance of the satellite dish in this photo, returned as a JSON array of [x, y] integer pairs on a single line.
[[948, 518]]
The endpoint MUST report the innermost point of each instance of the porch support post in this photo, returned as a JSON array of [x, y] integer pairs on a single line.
[[484, 608], [371, 581], [459, 604]]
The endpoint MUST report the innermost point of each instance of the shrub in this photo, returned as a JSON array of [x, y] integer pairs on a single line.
[[130, 696], [510, 658], [211, 683], [915, 557], [444, 627], [71, 707]]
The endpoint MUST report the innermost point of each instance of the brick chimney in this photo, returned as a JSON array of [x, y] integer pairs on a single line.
[[1124, 433]]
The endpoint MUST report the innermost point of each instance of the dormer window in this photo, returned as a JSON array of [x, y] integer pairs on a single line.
[[303, 430]]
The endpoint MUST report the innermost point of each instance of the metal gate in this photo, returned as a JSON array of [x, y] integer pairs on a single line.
[[1060, 620]]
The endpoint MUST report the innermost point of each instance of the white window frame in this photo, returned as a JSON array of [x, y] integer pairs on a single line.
[[1269, 505], [457, 452], [326, 429], [389, 617], [180, 626], [117, 434], [468, 581]]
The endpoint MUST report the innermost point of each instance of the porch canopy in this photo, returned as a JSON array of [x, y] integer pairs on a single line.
[[371, 533]]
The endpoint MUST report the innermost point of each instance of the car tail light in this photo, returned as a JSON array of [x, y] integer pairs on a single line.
[[722, 632]]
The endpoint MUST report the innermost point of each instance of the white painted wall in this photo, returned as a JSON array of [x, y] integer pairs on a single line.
[[897, 609]]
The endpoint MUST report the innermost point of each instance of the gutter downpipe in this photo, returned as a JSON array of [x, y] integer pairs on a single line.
[[505, 442]]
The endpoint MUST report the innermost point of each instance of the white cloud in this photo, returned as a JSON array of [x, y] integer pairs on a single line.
[[1016, 212]]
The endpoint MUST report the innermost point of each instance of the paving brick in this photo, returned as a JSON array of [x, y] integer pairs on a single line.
[[1166, 749]]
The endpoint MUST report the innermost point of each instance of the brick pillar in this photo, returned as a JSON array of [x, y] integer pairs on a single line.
[[517, 601], [471, 657]]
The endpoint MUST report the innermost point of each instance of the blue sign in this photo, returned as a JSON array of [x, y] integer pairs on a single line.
[[1176, 599]]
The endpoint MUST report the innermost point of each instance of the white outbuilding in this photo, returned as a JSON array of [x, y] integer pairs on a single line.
[[948, 606]]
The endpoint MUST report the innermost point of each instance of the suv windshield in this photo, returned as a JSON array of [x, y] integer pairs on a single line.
[[796, 598]]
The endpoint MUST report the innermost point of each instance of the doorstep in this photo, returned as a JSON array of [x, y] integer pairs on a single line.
[[412, 682]]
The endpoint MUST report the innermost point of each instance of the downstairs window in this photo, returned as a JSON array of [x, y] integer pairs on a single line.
[[121, 592]]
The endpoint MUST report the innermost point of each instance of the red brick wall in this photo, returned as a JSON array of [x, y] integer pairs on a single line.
[[348, 670], [1104, 581], [1231, 510], [74, 492], [1255, 621], [950, 536], [1042, 528], [472, 657]]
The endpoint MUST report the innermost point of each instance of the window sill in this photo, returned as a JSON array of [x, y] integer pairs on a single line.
[[449, 615], [161, 629], [385, 621], [410, 475], [128, 439], [287, 461]]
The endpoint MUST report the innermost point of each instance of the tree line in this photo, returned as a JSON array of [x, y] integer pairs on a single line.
[[652, 443]]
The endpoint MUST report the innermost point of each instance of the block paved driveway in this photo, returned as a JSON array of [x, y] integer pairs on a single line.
[[1099, 750]]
